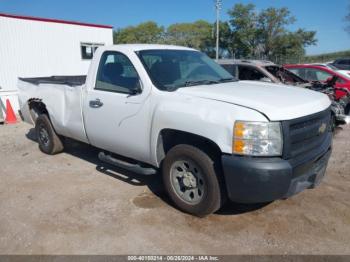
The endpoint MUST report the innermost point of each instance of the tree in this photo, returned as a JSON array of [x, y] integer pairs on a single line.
[[209, 43], [200, 35], [148, 32], [193, 35], [243, 21], [265, 35], [271, 26]]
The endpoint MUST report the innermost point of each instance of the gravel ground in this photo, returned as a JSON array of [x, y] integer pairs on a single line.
[[73, 204]]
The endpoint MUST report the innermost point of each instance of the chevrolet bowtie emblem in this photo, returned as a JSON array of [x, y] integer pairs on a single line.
[[322, 128]]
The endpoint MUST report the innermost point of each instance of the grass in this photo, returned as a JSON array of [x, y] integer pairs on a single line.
[[326, 57]]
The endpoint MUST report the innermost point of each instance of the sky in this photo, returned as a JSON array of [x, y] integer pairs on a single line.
[[324, 16]]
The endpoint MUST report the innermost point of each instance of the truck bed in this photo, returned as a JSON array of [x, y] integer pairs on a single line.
[[62, 97], [61, 80]]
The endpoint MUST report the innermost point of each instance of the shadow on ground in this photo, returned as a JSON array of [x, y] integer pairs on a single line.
[[153, 182], [338, 130]]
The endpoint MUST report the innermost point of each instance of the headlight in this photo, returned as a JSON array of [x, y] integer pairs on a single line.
[[257, 138]]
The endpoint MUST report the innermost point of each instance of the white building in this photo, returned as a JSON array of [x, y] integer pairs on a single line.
[[35, 47]]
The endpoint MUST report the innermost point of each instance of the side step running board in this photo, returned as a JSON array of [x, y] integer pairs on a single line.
[[126, 165]]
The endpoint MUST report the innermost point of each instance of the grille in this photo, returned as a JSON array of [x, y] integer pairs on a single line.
[[306, 133]]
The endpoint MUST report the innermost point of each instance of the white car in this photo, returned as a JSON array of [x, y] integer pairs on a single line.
[[345, 73], [329, 65], [172, 108]]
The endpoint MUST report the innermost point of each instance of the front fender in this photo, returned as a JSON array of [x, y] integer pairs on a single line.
[[208, 118]]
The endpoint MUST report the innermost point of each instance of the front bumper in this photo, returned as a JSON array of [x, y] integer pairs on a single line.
[[254, 179]]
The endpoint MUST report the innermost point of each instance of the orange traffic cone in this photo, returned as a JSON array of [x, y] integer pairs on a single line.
[[10, 114]]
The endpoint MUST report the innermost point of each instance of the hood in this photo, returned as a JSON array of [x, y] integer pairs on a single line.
[[277, 102]]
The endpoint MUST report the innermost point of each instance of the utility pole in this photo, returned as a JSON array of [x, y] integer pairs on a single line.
[[218, 4]]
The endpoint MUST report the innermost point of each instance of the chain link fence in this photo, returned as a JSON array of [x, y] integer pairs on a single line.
[[282, 60]]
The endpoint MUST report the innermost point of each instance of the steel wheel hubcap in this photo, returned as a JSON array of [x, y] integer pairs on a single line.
[[44, 136], [187, 181]]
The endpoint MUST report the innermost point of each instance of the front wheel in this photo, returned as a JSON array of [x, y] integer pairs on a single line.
[[333, 122], [347, 110], [192, 181]]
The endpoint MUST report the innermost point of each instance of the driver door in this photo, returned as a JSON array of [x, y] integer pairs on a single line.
[[115, 117]]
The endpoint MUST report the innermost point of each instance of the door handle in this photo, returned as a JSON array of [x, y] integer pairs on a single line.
[[95, 103]]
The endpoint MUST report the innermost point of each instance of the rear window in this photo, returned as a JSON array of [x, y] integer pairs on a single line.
[[88, 50]]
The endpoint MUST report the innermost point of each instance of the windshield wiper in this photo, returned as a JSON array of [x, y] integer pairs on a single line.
[[207, 82], [229, 79], [201, 82]]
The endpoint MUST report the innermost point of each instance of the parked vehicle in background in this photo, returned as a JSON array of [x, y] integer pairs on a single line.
[[320, 73], [259, 70], [342, 63], [267, 71], [173, 108], [327, 65], [340, 107], [346, 73], [1, 114]]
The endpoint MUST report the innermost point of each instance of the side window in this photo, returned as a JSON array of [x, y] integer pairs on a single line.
[[116, 74], [87, 50], [250, 73], [312, 74], [299, 72], [322, 75], [295, 71]]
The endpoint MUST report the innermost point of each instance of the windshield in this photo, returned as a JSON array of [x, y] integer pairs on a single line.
[[285, 76], [172, 69]]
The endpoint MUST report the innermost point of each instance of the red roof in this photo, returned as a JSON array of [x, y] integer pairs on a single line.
[[53, 20]]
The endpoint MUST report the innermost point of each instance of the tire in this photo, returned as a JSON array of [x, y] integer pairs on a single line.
[[49, 142], [347, 110], [333, 123], [204, 194]]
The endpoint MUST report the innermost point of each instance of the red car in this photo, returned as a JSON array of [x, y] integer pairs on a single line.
[[320, 73]]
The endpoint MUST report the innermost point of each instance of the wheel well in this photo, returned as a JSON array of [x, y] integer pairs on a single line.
[[169, 138], [37, 107]]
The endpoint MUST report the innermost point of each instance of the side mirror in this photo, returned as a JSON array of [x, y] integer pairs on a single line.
[[135, 90]]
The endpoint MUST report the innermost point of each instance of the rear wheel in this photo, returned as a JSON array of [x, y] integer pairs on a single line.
[[49, 142], [192, 181]]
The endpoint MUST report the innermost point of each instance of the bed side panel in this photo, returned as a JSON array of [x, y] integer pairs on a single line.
[[64, 104]]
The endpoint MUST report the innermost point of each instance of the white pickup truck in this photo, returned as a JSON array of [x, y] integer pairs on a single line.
[[172, 108]]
